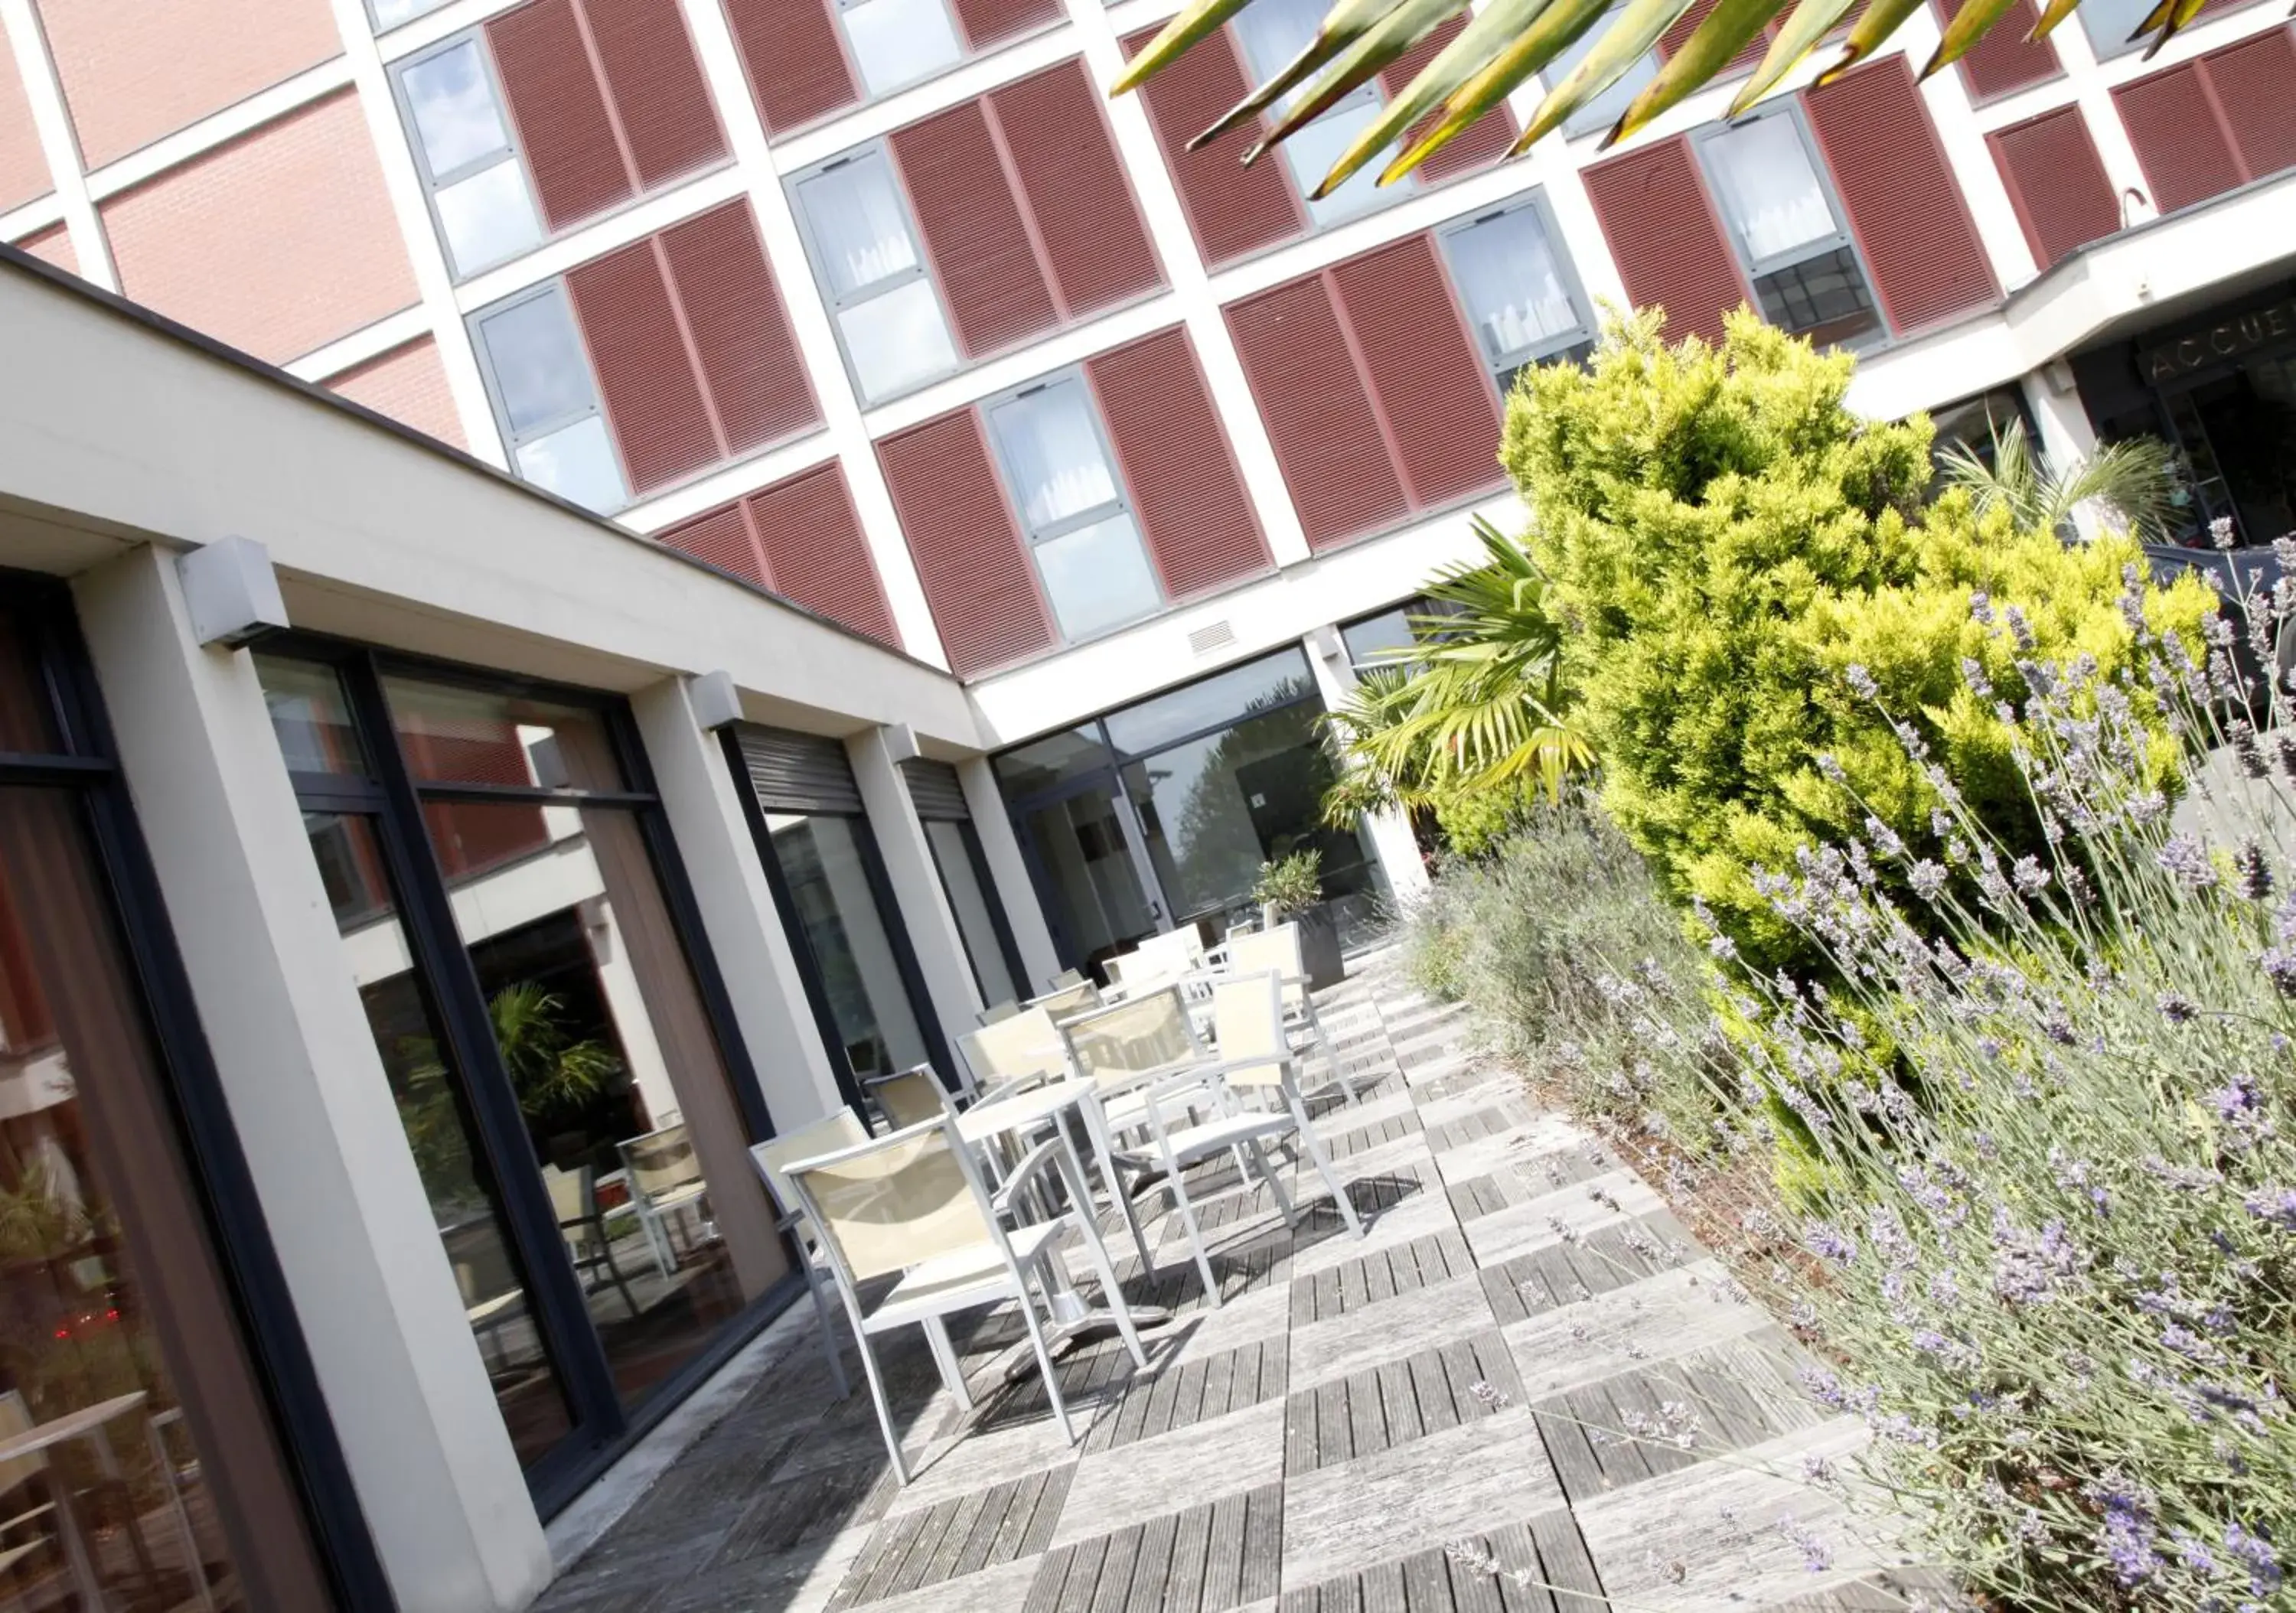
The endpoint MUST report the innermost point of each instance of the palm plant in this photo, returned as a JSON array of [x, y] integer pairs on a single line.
[[2136, 480], [1506, 42], [1477, 703]]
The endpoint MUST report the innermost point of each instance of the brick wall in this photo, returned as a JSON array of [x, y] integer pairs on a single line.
[[278, 242], [132, 73], [23, 170], [409, 385]]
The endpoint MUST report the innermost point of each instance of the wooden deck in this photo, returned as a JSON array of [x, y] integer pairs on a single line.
[[1440, 1418]]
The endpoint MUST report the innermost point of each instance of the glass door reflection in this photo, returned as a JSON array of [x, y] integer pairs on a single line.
[[1088, 858], [833, 890]]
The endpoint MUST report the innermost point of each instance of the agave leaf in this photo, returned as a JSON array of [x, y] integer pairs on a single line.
[[2163, 21], [1968, 25], [1880, 20], [1487, 34], [1552, 28], [2054, 12], [1346, 22], [1720, 35], [1197, 19], [1811, 21], [1636, 28], [1385, 41]]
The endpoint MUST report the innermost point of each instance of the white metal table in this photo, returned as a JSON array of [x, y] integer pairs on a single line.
[[86, 1424]]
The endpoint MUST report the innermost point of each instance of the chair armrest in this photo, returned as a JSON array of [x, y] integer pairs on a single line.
[[1032, 1165]]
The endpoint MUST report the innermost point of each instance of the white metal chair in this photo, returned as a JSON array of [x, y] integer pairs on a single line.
[[665, 1180], [574, 1197], [994, 1012], [909, 1097], [1078, 996], [1254, 1057], [1027, 1044], [1260, 951], [915, 1203], [839, 1131]]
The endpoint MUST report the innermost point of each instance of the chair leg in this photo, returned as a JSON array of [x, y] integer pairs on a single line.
[[1195, 1239], [1071, 1169], [1044, 1360], [877, 1395], [1274, 1182], [943, 1355], [606, 1250], [1106, 1158], [828, 1336], [1322, 1162]]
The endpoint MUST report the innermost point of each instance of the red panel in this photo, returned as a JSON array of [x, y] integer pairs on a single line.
[[815, 552], [1905, 206], [795, 58], [1665, 238], [2255, 82], [1185, 484], [646, 381], [722, 537], [1317, 412], [1233, 210], [2184, 153], [2005, 60], [1678, 35], [2056, 182], [559, 111], [1441, 412], [471, 838], [979, 580], [973, 231], [657, 87], [748, 359], [1075, 188], [1482, 142], [991, 22]]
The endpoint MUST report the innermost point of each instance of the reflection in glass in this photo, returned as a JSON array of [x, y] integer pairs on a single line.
[[860, 227], [28, 721], [2111, 24], [1054, 759], [897, 340], [1080, 844], [1222, 698], [1098, 577], [310, 716], [453, 735], [537, 359], [1214, 808], [434, 1113], [1605, 108], [1768, 188], [1315, 148], [973, 905], [488, 217], [1052, 451], [1508, 281], [455, 118], [119, 1514], [578, 465], [898, 42], [821, 859], [391, 13]]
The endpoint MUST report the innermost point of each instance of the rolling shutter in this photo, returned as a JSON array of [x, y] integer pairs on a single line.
[[988, 23], [1233, 210], [2005, 59], [655, 82], [1063, 160], [1905, 206], [1671, 42], [722, 538], [2185, 153], [2255, 86], [795, 60], [1441, 412], [653, 397], [564, 130], [2056, 182], [1185, 489], [1319, 412], [1665, 238], [750, 363], [976, 575], [815, 553], [798, 772], [973, 231], [1480, 144], [935, 790]]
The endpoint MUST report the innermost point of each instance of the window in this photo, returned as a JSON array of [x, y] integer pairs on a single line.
[[389, 14], [1605, 108], [867, 258], [1519, 296], [2109, 24], [545, 400], [1275, 31], [898, 42], [1806, 277], [1072, 505], [453, 105]]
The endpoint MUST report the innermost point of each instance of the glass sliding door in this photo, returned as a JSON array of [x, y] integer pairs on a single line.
[[989, 947], [500, 877]]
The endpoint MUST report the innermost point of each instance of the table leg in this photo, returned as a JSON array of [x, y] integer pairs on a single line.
[[1075, 1322], [137, 1547]]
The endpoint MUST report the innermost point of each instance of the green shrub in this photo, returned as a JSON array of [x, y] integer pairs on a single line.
[[1727, 545]]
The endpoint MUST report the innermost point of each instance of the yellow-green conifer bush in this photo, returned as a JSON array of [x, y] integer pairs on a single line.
[[1729, 547]]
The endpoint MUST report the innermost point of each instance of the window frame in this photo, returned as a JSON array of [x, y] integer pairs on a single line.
[[1032, 539], [513, 151], [853, 55], [1844, 237], [512, 439], [1582, 334], [881, 149]]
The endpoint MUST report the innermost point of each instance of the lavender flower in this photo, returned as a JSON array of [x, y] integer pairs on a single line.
[[1817, 1556], [1861, 682], [1981, 607], [2031, 877], [1927, 879], [2253, 1547], [2183, 858], [2275, 1207], [2177, 1008], [1828, 1243], [2279, 966], [2253, 871], [2127, 1537], [2220, 532]]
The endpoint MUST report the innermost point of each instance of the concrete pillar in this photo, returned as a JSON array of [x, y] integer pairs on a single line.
[[1008, 873], [1391, 839], [376, 1299], [2066, 436], [934, 939], [738, 913]]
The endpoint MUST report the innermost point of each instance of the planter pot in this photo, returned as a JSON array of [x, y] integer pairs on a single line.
[[1319, 946]]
